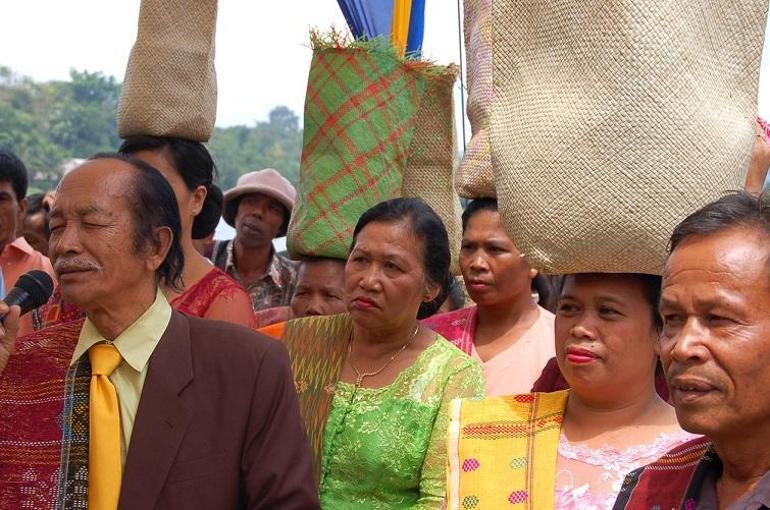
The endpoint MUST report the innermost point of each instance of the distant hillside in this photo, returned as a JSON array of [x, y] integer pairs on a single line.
[[47, 124]]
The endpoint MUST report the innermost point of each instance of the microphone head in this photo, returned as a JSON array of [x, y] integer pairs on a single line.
[[38, 285]]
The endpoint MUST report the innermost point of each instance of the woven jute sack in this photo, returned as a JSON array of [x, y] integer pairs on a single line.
[[170, 87], [474, 177], [360, 112], [612, 121], [433, 156]]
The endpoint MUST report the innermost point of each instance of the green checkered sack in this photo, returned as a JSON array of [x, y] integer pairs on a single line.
[[360, 112]]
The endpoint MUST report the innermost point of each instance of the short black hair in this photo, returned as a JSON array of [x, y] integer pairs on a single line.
[[426, 226], [477, 205], [736, 209], [35, 204], [195, 166], [153, 205], [12, 170], [456, 295]]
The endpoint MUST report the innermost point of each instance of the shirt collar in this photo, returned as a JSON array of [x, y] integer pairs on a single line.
[[21, 245], [274, 270], [756, 498], [137, 343]]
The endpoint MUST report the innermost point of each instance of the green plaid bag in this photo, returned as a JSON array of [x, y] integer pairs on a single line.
[[360, 112]]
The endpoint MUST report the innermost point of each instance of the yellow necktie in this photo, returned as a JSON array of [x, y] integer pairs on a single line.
[[104, 465]]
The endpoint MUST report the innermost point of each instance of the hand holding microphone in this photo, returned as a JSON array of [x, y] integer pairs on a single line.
[[30, 291]]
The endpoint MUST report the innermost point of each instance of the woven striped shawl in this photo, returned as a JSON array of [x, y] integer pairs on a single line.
[[44, 426]]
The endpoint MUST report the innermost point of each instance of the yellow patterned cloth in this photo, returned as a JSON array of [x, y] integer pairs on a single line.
[[317, 348], [502, 451]]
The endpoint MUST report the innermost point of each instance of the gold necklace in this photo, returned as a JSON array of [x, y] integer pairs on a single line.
[[361, 375]]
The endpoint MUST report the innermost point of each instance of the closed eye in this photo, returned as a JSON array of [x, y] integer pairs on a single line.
[[719, 320], [608, 311]]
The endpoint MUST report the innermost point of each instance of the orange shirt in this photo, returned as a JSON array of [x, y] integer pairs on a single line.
[[273, 330], [16, 259]]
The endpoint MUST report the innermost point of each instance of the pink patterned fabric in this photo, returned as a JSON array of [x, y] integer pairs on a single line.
[[457, 326], [512, 370], [608, 466], [765, 127]]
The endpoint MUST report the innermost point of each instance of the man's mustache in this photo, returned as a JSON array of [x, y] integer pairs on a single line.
[[74, 264]]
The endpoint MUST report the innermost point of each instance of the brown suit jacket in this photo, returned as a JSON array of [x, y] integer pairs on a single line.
[[218, 425]]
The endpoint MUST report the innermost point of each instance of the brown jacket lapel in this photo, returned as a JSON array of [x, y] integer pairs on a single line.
[[161, 420]]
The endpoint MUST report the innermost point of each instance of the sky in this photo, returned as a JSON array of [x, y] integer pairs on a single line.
[[262, 54]]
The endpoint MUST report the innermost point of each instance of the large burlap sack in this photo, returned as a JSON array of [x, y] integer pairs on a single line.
[[474, 177], [360, 112], [612, 121], [170, 88], [429, 170]]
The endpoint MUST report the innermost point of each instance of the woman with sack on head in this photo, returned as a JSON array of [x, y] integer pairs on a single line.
[[374, 385], [207, 292], [507, 331], [571, 449]]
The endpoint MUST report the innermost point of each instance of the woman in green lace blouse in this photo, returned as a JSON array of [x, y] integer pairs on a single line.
[[374, 385]]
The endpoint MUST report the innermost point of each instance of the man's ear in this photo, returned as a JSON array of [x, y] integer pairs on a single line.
[[157, 251]]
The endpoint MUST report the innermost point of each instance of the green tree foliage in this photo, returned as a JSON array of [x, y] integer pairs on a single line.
[[276, 143], [49, 123]]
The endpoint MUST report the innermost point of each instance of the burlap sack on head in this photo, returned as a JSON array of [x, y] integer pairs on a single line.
[[475, 177], [612, 121], [170, 88], [360, 112], [429, 170]]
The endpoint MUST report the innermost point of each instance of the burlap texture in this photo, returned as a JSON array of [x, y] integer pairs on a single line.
[[612, 121], [475, 177], [360, 112], [170, 87], [429, 170]]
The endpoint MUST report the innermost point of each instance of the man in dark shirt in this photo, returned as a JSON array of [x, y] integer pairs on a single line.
[[259, 207], [714, 347]]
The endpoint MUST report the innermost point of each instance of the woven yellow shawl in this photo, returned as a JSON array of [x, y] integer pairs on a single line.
[[502, 451]]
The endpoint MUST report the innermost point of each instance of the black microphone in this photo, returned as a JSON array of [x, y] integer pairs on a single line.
[[30, 291]]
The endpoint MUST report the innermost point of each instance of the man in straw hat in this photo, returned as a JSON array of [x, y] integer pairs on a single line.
[[258, 207]]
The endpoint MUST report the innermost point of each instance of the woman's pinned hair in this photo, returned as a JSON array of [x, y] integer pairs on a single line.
[[196, 168]]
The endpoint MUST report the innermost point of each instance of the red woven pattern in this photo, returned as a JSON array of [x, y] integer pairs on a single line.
[[503, 429], [360, 110]]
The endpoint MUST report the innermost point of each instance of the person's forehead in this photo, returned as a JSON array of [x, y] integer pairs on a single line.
[[614, 287], [735, 256], [389, 239], [311, 270], [100, 184], [6, 186]]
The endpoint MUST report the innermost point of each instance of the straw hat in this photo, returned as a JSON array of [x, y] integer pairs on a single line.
[[268, 182]]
